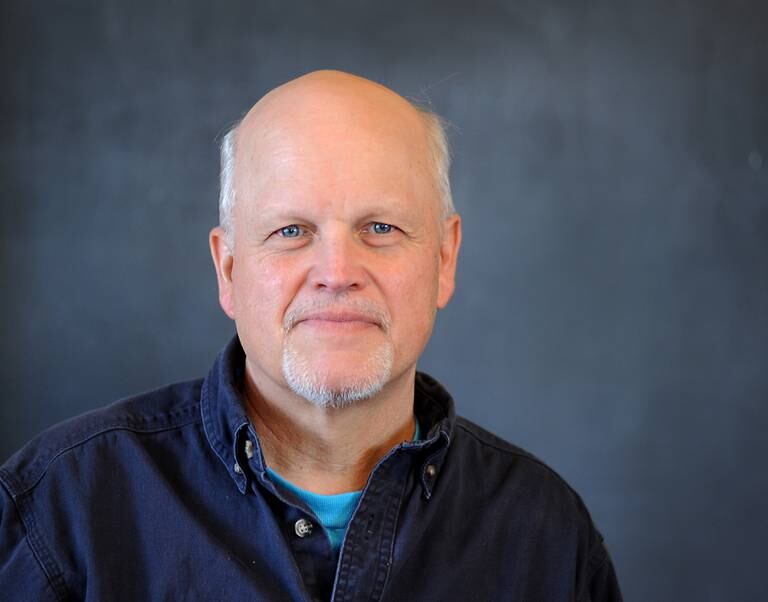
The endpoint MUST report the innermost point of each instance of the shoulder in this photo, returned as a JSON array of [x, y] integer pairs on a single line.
[[514, 479], [511, 482], [506, 467], [472, 436], [169, 407]]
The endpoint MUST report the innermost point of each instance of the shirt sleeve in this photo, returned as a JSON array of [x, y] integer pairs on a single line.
[[20, 571]]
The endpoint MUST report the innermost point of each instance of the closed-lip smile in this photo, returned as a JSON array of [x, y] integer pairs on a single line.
[[341, 317]]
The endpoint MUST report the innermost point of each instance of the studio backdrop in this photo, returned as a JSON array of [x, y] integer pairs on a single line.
[[611, 168]]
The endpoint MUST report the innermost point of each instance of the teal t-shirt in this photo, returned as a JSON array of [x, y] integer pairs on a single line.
[[333, 511]]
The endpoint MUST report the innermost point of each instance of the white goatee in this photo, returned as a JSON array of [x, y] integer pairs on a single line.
[[368, 379]]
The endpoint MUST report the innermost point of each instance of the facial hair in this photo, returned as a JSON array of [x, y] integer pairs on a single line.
[[313, 385]]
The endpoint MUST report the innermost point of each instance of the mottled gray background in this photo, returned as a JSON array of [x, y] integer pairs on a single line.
[[611, 165]]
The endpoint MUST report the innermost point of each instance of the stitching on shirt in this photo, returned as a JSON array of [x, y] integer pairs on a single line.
[[216, 444], [67, 447], [39, 550], [391, 552], [218, 447]]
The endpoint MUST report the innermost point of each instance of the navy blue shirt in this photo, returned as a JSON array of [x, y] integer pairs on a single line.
[[165, 496]]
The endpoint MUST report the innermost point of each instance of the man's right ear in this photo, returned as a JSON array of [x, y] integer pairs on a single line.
[[223, 261]]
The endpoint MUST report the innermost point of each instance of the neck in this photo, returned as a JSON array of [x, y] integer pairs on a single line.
[[329, 450]]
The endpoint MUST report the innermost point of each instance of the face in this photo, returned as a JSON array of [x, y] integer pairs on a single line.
[[340, 258]]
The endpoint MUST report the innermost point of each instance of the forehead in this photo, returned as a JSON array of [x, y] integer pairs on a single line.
[[328, 145]]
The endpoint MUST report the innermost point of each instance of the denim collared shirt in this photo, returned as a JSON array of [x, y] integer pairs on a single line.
[[165, 496]]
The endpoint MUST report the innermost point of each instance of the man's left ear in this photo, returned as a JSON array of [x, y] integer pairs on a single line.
[[449, 253]]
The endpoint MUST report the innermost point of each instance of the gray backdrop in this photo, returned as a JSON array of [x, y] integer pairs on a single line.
[[611, 166]]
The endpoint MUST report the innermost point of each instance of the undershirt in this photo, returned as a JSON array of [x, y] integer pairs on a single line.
[[333, 511]]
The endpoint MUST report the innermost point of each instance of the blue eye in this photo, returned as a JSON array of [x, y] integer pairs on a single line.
[[291, 231], [379, 228]]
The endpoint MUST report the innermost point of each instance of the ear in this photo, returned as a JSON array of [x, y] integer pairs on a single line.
[[449, 253], [223, 261]]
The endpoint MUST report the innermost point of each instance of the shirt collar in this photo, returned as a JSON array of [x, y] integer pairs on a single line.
[[225, 420], [233, 439], [434, 408]]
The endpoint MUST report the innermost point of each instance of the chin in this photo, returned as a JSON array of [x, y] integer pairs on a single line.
[[324, 381]]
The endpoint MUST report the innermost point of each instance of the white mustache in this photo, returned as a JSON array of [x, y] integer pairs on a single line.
[[364, 306]]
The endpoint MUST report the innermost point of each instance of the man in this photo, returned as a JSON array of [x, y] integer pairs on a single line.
[[313, 462]]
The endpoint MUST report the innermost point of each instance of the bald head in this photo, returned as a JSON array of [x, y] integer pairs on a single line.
[[328, 94], [306, 114]]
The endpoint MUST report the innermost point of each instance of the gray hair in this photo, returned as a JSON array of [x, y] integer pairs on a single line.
[[227, 181], [438, 148]]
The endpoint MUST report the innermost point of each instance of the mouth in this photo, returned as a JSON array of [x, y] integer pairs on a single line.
[[338, 320]]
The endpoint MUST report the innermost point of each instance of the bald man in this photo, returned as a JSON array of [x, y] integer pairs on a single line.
[[313, 462]]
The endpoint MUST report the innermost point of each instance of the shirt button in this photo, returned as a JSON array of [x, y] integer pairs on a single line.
[[303, 527], [248, 449], [431, 470], [238, 470]]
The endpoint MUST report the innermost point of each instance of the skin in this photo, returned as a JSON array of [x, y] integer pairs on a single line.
[[334, 155]]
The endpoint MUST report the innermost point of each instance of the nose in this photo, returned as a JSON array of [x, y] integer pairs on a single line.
[[338, 265]]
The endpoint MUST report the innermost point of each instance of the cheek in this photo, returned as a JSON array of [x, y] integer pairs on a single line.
[[263, 289], [412, 297]]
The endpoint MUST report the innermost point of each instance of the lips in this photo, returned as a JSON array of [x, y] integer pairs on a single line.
[[338, 317], [349, 315]]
